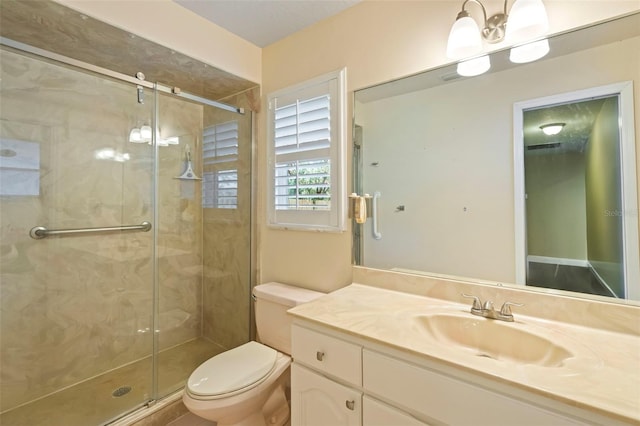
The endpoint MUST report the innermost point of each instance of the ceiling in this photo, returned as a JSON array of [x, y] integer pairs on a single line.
[[578, 117], [263, 22]]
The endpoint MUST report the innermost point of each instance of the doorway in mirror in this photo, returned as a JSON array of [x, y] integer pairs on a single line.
[[576, 194]]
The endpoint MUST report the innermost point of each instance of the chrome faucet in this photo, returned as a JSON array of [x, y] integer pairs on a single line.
[[487, 310]]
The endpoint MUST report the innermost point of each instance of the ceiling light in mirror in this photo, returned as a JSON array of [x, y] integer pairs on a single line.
[[475, 66], [552, 128]]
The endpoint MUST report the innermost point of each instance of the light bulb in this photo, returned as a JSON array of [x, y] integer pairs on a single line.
[[145, 133], [552, 128], [135, 136], [529, 52], [475, 66], [527, 20], [464, 38]]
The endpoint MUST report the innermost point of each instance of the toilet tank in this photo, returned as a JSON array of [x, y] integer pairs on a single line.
[[272, 300]]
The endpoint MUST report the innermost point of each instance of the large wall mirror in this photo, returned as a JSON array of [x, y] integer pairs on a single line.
[[465, 182]]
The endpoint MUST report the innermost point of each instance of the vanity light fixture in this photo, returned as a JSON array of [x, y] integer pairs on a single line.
[[552, 128], [526, 21]]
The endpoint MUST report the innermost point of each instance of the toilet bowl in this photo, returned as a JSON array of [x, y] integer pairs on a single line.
[[233, 388], [247, 385]]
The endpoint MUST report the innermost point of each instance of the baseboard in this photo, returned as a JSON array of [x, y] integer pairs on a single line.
[[601, 280], [558, 261]]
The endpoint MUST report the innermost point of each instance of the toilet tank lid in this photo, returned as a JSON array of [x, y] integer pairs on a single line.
[[284, 294]]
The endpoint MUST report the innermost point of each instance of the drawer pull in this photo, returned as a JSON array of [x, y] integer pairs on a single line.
[[319, 355], [351, 405]]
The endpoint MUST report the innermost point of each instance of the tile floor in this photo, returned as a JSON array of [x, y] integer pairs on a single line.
[[564, 277], [191, 420], [91, 402]]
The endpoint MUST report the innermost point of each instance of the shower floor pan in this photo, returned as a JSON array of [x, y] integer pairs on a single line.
[[105, 397]]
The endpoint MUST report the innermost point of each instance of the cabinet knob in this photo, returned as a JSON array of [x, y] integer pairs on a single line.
[[319, 355], [351, 405]]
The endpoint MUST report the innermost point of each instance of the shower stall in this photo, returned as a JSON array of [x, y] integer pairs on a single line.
[[125, 238]]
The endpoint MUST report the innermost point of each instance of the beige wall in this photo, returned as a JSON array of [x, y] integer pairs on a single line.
[[603, 201], [171, 25], [556, 218], [377, 41]]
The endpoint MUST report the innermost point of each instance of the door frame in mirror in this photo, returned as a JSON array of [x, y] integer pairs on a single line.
[[624, 91]]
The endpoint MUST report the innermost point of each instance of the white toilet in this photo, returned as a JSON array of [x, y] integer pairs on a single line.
[[246, 386]]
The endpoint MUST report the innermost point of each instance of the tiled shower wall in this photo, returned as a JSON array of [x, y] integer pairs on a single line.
[[227, 241]]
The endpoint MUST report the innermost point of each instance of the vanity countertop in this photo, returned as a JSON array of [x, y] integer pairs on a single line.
[[604, 377]]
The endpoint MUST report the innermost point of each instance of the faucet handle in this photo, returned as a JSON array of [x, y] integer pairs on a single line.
[[506, 308], [488, 305], [477, 304]]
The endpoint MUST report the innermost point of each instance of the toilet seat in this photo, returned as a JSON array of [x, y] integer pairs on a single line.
[[232, 372]]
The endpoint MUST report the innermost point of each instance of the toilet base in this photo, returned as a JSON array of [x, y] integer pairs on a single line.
[[275, 412], [255, 419]]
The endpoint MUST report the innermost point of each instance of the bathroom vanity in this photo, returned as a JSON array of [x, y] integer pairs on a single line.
[[370, 356]]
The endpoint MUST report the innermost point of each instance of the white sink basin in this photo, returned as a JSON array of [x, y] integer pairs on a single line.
[[498, 340]]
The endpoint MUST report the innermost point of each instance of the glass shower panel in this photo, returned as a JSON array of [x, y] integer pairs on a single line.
[[76, 310], [204, 231]]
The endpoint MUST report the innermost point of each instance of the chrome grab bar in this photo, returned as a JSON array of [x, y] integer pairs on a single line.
[[39, 232], [374, 215]]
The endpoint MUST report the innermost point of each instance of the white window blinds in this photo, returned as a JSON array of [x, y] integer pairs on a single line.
[[220, 176], [302, 155], [306, 154]]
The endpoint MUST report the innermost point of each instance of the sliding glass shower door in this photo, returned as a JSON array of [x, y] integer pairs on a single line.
[[77, 308], [125, 240]]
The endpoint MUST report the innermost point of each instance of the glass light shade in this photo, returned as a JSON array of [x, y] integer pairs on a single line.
[[552, 129], [475, 66], [527, 19], [135, 136], [145, 133], [529, 52], [464, 39]]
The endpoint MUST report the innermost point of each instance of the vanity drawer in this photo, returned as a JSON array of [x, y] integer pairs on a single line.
[[327, 354], [376, 413], [446, 399]]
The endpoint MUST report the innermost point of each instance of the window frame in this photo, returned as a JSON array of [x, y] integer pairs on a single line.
[[332, 219]]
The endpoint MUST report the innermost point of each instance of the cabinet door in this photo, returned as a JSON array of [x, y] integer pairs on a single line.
[[318, 401], [376, 413], [450, 401]]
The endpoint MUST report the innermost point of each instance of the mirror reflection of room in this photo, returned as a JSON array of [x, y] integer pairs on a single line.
[[573, 197], [443, 148]]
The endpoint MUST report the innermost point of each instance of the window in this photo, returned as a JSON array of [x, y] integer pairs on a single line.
[[306, 155], [220, 176]]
